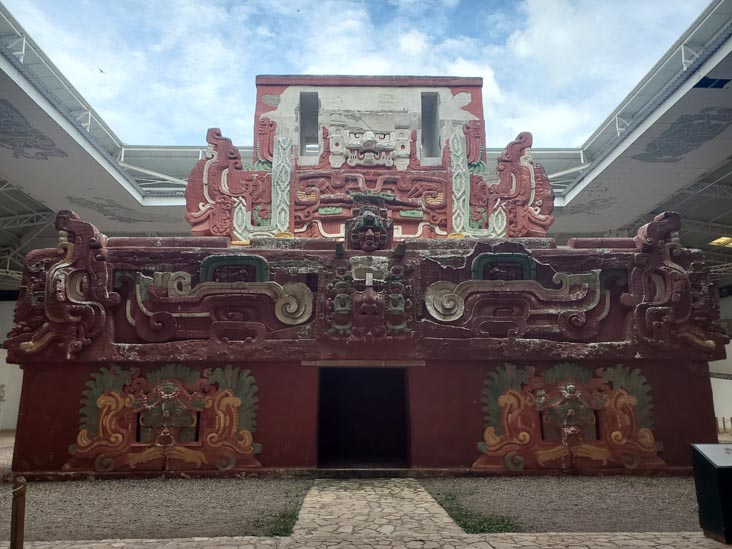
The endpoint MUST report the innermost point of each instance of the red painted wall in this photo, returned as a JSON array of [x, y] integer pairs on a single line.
[[682, 407], [48, 421], [445, 414], [288, 415]]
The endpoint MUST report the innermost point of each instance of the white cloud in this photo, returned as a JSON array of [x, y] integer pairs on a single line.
[[170, 70], [413, 42]]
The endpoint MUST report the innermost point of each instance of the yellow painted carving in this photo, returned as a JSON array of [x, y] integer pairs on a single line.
[[595, 453], [646, 438], [189, 455], [437, 199], [149, 454], [490, 438], [40, 339], [618, 438], [558, 452]]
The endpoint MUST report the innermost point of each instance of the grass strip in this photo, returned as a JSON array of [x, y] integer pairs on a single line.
[[473, 522], [282, 523]]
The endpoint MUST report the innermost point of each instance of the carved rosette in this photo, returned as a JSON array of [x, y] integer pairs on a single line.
[[66, 298], [668, 289], [173, 418], [568, 417]]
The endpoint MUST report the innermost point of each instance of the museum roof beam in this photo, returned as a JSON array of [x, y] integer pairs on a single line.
[[672, 73], [12, 257], [27, 52], [704, 189], [26, 220], [721, 271]]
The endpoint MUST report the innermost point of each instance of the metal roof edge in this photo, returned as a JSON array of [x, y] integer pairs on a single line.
[[66, 114], [650, 106]]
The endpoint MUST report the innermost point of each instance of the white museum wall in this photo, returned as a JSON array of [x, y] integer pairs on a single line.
[[722, 388], [11, 376]]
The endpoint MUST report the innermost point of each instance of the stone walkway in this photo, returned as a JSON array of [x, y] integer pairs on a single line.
[[398, 508], [392, 514]]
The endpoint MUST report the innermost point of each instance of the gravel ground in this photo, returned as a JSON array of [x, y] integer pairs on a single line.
[[579, 504], [153, 508]]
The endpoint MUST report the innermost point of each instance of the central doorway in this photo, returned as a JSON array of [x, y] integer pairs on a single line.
[[362, 418]]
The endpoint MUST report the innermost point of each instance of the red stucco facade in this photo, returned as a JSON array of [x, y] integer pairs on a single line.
[[209, 354]]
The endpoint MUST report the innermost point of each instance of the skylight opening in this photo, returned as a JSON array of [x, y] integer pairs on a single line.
[[725, 241], [309, 124]]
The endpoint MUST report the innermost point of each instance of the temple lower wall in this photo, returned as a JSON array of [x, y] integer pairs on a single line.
[[445, 417]]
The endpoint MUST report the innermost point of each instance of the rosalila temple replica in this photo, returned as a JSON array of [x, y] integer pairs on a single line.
[[364, 291]]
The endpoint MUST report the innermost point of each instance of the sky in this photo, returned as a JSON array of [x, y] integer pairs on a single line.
[[162, 72]]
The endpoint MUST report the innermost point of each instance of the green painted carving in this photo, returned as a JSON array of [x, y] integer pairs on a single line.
[[479, 223], [213, 262], [396, 305], [478, 167], [388, 197], [261, 165], [497, 383], [514, 462], [636, 384], [526, 262], [342, 303], [418, 214], [565, 371], [260, 219], [242, 384], [106, 379], [169, 406], [183, 373], [330, 210]]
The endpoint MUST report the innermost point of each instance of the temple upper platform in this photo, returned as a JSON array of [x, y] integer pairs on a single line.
[[322, 142]]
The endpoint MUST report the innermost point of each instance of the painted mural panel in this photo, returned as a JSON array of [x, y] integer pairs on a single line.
[[567, 417], [171, 418]]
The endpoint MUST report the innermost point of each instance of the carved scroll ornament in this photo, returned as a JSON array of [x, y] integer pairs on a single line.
[[225, 198], [664, 307], [519, 204], [74, 292], [523, 308], [167, 307]]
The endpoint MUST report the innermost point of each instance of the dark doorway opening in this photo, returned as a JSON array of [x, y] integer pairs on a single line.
[[362, 419]]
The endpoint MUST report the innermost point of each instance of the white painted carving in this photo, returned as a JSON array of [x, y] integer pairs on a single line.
[[460, 182], [281, 175], [337, 148]]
